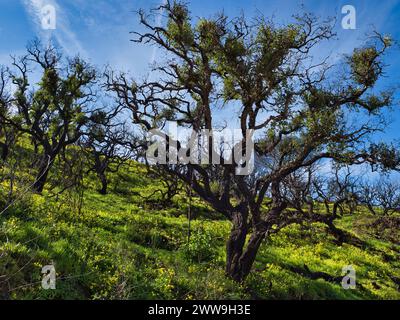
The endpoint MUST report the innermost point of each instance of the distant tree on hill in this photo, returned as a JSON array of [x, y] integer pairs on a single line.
[[7, 134], [381, 196], [108, 144], [54, 111], [322, 197]]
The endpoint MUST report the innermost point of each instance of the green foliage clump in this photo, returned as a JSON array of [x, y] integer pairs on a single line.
[[200, 247]]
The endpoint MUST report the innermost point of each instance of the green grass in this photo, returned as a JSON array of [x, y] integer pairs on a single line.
[[117, 247]]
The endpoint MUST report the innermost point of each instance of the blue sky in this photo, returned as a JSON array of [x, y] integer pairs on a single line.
[[99, 30]]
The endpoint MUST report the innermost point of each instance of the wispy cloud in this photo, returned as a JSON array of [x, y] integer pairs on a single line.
[[63, 33], [159, 21]]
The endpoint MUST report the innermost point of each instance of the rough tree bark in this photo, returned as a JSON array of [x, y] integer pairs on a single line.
[[42, 174], [104, 183]]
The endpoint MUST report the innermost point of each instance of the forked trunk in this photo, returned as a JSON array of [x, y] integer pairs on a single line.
[[240, 262], [239, 256]]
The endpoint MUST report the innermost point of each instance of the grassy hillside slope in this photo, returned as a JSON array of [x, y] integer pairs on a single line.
[[119, 246]]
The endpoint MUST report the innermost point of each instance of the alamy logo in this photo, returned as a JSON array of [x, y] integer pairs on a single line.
[[349, 279], [49, 277], [349, 20], [185, 146], [48, 17]]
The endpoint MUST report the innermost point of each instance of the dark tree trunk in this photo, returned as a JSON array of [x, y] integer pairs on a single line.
[[239, 256], [104, 183], [41, 177], [240, 260], [4, 151], [336, 232], [235, 245]]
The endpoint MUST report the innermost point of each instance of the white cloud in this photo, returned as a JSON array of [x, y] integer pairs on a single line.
[[158, 24]]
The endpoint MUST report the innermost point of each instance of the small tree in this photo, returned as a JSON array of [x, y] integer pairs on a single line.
[[380, 197], [322, 197], [171, 185], [54, 112], [108, 144], [297, 110], [7, 134]]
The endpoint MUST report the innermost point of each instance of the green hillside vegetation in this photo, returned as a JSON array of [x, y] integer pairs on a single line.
[[119, 246]]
